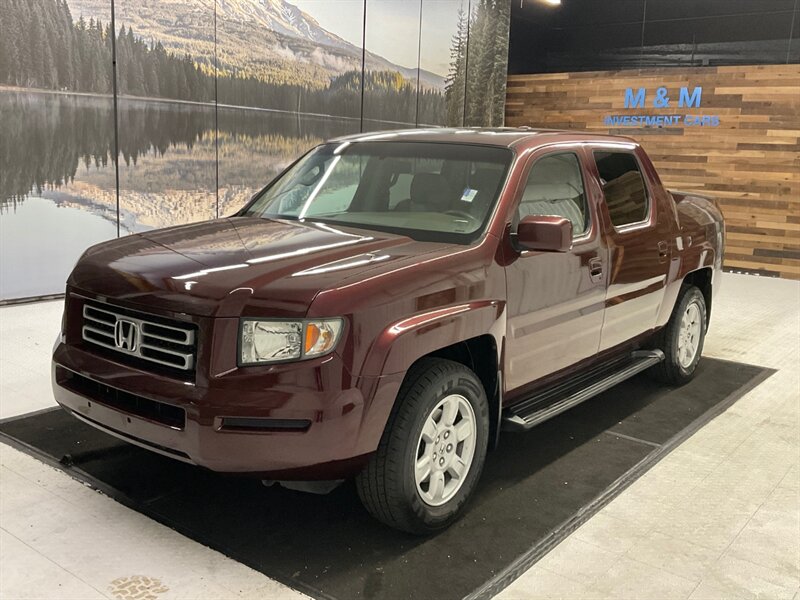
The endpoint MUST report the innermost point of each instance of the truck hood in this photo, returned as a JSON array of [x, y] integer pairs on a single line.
[[240, 265]]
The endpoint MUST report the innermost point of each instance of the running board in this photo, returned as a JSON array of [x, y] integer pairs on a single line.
[[554, 400]]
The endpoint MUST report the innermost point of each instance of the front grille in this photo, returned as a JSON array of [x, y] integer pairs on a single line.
[[165, 414], [140, 335]]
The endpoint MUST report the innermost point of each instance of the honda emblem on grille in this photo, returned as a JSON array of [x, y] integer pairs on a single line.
[[125, 335]]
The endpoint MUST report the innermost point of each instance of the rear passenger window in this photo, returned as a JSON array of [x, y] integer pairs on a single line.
[[555, 188], [623, 186]]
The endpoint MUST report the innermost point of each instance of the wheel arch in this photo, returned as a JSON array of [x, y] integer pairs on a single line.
[[702, 279], [472, 334], [480, 355]]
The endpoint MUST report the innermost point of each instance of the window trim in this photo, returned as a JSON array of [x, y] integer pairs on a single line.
[[634, 225], [575, 151]]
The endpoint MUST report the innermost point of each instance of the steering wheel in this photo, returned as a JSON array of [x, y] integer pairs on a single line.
[[459, 213]]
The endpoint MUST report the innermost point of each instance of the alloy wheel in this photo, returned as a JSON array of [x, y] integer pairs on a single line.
[[445, 450], [689, 335]]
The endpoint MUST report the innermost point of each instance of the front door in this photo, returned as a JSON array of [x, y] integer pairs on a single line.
[[555, 299]]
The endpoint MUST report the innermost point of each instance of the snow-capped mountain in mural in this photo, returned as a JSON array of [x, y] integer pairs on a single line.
[[272, 40], [280, 17]]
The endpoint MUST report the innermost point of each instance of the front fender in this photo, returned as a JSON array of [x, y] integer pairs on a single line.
[[404, 342]]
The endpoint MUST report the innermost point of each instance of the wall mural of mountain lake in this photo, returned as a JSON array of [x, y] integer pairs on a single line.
[[214, 98]]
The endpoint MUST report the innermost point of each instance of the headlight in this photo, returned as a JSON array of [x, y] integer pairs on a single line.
[[265, 341]]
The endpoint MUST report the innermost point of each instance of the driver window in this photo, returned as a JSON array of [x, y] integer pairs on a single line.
[[555, 188]]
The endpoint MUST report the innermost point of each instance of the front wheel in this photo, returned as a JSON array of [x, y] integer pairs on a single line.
[[683, 337], [432, 451]]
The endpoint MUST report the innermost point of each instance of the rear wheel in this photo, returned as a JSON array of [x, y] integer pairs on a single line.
[[432, 451], [683, 337]]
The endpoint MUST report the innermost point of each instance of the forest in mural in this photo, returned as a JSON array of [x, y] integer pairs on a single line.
[[214, 97], [42, 47], [475, 88]]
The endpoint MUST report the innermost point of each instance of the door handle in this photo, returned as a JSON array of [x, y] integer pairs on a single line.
[[595, 268], [663, 249]]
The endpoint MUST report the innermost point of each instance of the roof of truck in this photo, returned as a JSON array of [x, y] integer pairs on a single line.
[[507, 137]]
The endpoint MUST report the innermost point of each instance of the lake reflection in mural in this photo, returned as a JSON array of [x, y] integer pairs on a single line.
[[58, 157], [56, 148], [41, 239]]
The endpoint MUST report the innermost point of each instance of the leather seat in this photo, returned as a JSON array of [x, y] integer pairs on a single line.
[[557, 199], [430, 192], [555, 188]]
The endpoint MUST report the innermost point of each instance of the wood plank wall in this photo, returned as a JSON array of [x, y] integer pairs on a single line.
[[750, 162]]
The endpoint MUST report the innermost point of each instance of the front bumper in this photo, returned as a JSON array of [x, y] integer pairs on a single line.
[[318, 399]]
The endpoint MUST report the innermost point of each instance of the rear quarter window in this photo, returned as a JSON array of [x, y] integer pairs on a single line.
[[623, 187]]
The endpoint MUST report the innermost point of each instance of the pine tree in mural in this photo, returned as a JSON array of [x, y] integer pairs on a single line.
[[499, 59], [454, 83], [476, 84]]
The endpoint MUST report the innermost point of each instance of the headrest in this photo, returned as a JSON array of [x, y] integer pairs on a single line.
[[559, 168], [431, 189], [486, 180], [535, 192]]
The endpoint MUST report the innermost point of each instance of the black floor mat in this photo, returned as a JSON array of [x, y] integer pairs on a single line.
[[536, 487]]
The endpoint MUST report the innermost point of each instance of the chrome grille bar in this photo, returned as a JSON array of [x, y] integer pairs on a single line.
[[166, 345]]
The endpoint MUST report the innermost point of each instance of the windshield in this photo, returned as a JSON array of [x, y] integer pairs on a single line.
[[428, 191]]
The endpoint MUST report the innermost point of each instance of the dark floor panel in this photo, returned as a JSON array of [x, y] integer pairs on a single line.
[[328, 546], [642, 410]]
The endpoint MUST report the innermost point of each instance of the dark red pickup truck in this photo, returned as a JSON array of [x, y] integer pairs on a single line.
[[389, 304]]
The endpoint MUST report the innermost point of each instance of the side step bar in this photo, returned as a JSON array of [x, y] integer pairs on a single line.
[[554, 400]]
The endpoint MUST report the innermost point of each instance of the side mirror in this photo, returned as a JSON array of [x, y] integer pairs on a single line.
[[545, 233]]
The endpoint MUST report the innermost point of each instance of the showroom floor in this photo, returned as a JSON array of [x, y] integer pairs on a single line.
[[717, 518]]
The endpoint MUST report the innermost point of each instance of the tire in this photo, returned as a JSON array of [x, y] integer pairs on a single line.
[[682, 339], [390, 487]]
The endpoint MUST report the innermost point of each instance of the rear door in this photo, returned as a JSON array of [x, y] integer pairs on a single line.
[[638, 237], [555, 299]]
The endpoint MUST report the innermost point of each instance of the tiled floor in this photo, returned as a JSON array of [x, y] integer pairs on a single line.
[[717, 518]]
